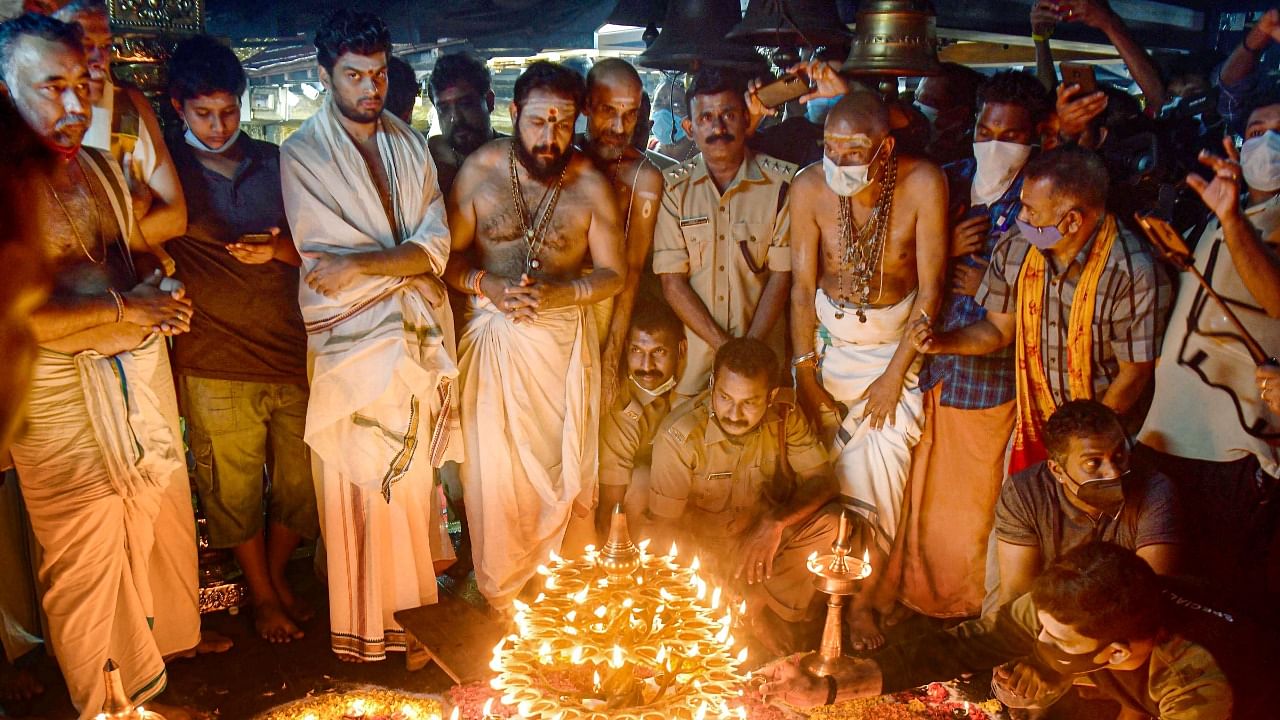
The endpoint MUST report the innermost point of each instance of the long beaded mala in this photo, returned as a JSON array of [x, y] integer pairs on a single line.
[[534, 226], [865, 252]]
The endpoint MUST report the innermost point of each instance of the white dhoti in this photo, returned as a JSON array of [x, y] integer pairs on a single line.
[[530, 426], [175, 573], [381, 418], [94, 463], [871, 466]]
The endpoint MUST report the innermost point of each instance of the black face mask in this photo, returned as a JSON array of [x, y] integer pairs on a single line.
[[1065, 663], [1106, 494]]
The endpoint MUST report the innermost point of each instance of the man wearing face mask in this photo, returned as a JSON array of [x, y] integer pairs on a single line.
[[947, 100], [957, 467], [243, 367], [1209, 428], [720, 245], [738, 474], [670, 109], [1098, 616], [1084, 491], [653, 354], [1081, 299], [871, 249]]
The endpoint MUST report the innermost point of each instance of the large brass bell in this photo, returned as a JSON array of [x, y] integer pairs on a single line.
[[693, 36], [894, 37], [791, 23]]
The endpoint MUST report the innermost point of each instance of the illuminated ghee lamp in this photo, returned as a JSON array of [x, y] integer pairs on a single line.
[[626, 635], [837, 576]]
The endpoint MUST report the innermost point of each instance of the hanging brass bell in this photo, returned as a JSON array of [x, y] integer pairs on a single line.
[[693, 36], [894, 37], [793, 23]]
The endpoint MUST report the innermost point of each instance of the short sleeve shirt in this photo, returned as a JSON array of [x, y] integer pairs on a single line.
[[718, 484], [1130, 308], [626, 435], [725, 243], [1033, 510], [247, 325]]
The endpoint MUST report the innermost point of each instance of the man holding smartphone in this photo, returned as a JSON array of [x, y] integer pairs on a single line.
[[242, 368]]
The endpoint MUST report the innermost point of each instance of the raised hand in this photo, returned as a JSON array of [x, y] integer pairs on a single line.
[[1221, 193], [1075, 111]]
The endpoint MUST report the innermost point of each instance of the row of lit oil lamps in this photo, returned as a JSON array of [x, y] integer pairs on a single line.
[[659, 619]]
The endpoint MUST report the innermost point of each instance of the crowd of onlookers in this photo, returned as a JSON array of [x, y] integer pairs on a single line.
[[943, 313]]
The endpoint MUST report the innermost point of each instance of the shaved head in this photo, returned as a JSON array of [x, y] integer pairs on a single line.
[[859, 112], [614, 71], [614, 95]]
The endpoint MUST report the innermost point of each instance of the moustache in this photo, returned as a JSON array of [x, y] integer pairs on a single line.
[[71, 119], [551, 150], [722, 138], [647, 375]]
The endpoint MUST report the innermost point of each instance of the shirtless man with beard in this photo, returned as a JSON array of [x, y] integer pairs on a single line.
[[614, 99], [527, 211]]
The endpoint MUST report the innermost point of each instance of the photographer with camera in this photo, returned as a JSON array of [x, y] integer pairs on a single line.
[[1209, 427]]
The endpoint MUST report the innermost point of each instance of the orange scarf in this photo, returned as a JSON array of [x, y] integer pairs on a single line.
[[1035, 400]]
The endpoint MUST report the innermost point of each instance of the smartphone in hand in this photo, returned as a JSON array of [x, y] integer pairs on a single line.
[[257, 238], [1080, 74], [783, 90]]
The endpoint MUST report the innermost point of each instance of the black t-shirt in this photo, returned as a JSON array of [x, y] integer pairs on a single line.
[[247, 325]]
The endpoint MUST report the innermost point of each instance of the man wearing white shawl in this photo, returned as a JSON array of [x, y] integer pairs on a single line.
[[529, 353], [369, 221], [868, 249]]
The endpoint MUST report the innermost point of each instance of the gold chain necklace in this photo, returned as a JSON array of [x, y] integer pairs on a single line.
[[97, 213]]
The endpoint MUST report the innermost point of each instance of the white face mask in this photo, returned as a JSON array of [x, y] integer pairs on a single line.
[[998, 164], [195, 142], [848, 180], [930, 112], [662, 389], [1260, 161]]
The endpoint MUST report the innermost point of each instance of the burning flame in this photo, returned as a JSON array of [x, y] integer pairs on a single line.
[[616, 661]]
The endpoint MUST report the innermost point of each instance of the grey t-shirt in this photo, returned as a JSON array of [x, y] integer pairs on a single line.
[[1034, 511]]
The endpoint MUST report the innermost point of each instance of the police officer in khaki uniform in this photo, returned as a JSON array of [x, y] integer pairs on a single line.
[[719, 483], [653, 353], [721, 245]]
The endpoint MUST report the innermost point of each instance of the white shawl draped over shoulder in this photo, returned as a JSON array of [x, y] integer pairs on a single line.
[[383, 371]]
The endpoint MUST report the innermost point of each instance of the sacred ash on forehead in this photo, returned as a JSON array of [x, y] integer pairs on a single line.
[[856, 140], [553, 108]]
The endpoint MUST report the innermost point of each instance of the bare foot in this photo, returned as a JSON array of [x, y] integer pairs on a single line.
[[17, 683], [353, 659], [213, 643], [864, 634], [299, 610], [894, 614], [271, 622]]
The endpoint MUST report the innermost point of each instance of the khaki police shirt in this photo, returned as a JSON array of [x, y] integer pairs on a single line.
[[626, 434], [717, 484], [726, 244]]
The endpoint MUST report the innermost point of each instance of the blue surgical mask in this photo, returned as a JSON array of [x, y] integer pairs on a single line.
[[665, 127], [195, 142], [1043, 237], [816, 110]]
